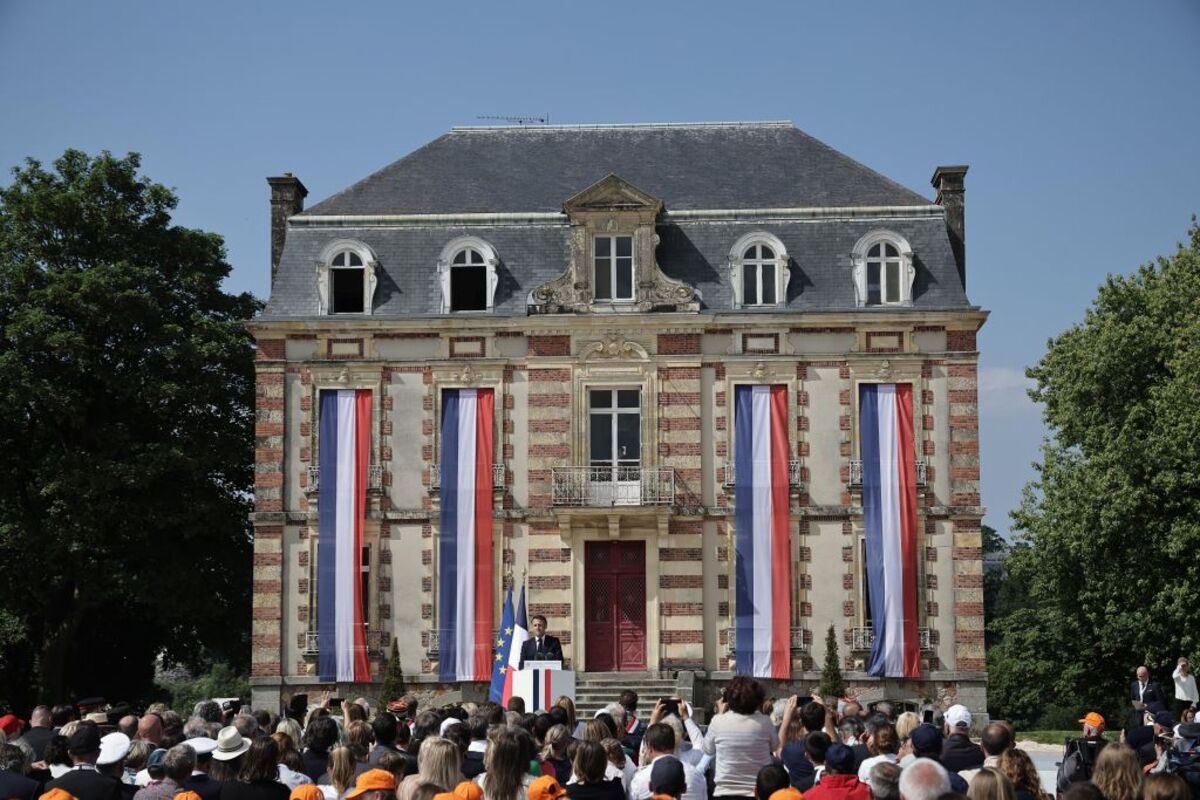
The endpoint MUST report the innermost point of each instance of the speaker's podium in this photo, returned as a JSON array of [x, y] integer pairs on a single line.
[[541, 683]]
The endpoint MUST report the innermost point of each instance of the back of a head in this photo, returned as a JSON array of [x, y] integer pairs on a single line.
[[744, 695], [812, 716], [616, 713], [851, 728], [559, 716], [1117, 773], [61, 715], [505, 761], [660, 738], [12, 758], [1165, 786], [40, 717], [516, 704], [262, 761], [629, 700], [816, 744], [1082, 790], [542, 724], [321, 734], [179, 763], [996, 739], [990, 784], [616, 753], [884, 780], [769, 780], [427, 723], [924, 779], [360, 733], [440, 762], [905, 724], [886, 709], [596, 731], [884, 739], [590, 762], [384, 728]]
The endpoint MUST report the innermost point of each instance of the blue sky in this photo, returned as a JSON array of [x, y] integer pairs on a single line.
[[1079, 119]]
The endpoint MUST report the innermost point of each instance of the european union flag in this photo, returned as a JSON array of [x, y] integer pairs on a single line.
[[502, 641]]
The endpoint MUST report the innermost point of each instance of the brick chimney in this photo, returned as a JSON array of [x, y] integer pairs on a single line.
[[287, 198], [948, 180]]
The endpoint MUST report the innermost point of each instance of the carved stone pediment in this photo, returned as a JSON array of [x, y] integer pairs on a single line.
[[612, 193]]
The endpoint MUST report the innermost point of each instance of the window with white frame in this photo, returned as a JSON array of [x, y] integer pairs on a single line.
[[467, 275], [758, 271], [346, 278], [883, 270], [612, 267]]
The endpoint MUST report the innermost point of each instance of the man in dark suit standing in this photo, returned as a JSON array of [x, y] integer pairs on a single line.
[[1142, 693], [84, 781], [540, 646]]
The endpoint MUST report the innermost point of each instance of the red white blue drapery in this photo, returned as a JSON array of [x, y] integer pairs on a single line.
[[345, 454], [763, 594], [889, 492], [465, 549]]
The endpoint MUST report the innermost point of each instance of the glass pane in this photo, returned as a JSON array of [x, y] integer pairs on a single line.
[[751, 253], [476, 257], [627, 398], [624, 279], [347, 291], [601, 443], [873, 252], [892, 292], [468, 288], [768, 284], [625, 246], [892, 252], [872, 283], [339, 260], [603, 279], [603, 246], [601, 399], [750, 285], [460, 257], [767, 252], [629, 437], [355, 261]]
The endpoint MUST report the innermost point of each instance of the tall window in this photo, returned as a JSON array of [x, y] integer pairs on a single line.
[[612, 261], [468, 281], [614, 446], [759, 280], [883, 275], [365, 583], [347, 277]]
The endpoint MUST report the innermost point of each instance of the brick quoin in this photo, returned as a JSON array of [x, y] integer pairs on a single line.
[[681, 637], [264, 640], [963, 396], [679, 424], [968, 581], [968, 636], [968, 422], [266, 669], [967, 525], [268, 480], [931, 581], [268, 429], [271, 349], [679, 398], [931, 554], [676, 554], [550, 555], [678, 526], [268, 505], [269, 403], [968, 553], [549, 400], [550, 609], [682, 609], [966, 499], [961, 371], [968, 609], [931, 608], [268, 587], [969, 664], [268, 532], [560, 451], [549, 426], [960, 341], [549, 375], [267, 613], [675, 344], [848, 608], [268, 559], [964, 448], [681, 581], [549, 345], [928, 447], [550, 582], [269, 378], [679, 374], [723, 581]]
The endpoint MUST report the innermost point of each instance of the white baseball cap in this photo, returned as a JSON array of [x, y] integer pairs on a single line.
[[957, 716], [113, 747]]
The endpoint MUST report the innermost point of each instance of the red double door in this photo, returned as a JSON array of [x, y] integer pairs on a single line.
[[615, 608]]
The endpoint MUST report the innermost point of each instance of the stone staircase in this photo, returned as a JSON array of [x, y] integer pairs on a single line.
[[595, 690]]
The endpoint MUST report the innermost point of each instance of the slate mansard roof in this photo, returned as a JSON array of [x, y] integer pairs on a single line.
[[693, 169]]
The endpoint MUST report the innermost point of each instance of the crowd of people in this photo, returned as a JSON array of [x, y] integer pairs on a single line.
[[753, 747]]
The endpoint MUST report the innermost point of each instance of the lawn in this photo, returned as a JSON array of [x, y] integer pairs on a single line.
[[1047, 737]]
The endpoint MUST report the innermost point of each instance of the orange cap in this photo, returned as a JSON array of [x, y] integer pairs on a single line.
[[468, 790], [373, 780], [445, 796], [307, 791], [58, 794], [1093, 719], [790, 793], [187, 795], [546, 788]]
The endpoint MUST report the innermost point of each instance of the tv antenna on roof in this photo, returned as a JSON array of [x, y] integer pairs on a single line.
[[542, 120]]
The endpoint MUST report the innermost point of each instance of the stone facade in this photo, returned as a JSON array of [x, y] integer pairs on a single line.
[[685, 358]]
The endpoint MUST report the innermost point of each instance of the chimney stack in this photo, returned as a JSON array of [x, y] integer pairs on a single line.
[[287, 198], [948, 180]]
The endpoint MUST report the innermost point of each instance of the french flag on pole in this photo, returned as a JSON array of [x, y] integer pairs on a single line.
[[889, 492], [345, 445], [519, 636], [465, 552], [764, 577]]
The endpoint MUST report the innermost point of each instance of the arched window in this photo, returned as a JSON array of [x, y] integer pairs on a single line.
[[758, 271], [883, 270], [346, 278], [467, 275]]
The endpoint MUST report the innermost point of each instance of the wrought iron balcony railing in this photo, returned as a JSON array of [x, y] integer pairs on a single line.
[[374, 479], [861, 639], [613, 486], [377, 642], [856, 475], [795, 471], [798, 645], [434, 471]]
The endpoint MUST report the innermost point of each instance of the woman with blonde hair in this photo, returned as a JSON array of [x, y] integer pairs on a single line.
[[990, 784], [573, 722], [438, 762], [1117, 773], [1019, 768], [341, 773], [506, 766], [558, 739]]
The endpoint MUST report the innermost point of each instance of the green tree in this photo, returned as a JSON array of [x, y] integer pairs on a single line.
[[126, 400], [1111, 525], [393, 678], [831, 683]]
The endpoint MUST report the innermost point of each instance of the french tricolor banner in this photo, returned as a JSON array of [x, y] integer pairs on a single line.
[[763, 616], [889, 492], [345, 454], [465, 552]]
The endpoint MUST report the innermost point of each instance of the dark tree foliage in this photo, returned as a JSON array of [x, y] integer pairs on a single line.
[[1106, 572], [831, 683], [126, 435]]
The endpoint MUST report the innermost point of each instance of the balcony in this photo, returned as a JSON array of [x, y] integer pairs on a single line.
[[797, 642], [862, 639], [434, 471], [604, 487], [377, 643], [794, 473], [856, 474], [374, 479]]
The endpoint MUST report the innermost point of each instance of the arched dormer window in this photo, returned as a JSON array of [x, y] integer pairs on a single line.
[[883, 270], [467, 275], [346, 278], [758, 270]]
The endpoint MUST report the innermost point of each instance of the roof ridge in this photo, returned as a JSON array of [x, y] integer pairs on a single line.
[[779, 123]]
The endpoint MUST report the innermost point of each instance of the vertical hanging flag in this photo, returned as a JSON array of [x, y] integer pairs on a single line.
[[500, 659], [889, 492], [465, 552], [764, 576], [519, 637], [345, 453]]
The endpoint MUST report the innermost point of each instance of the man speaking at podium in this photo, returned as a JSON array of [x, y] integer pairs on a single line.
[[540, 646]]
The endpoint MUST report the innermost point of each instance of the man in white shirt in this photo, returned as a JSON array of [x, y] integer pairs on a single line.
[[1185, 687], [659, 742]]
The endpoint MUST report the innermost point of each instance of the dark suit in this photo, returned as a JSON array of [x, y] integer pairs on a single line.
[[1152, 694], [551, 650], [88, 784], [16, 785]]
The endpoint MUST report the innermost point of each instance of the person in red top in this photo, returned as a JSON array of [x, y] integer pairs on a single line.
[[840, 780]]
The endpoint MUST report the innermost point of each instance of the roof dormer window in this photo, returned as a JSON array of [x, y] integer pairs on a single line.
[[467, 275], [346, 278], [612, 261], [883, 270], [758, 271]]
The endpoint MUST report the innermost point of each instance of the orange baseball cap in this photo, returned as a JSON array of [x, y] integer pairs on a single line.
[[468, 790], [790, 793], [1093, 719], [546, 788], [307, 791], [373, 780], [58, 794]]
